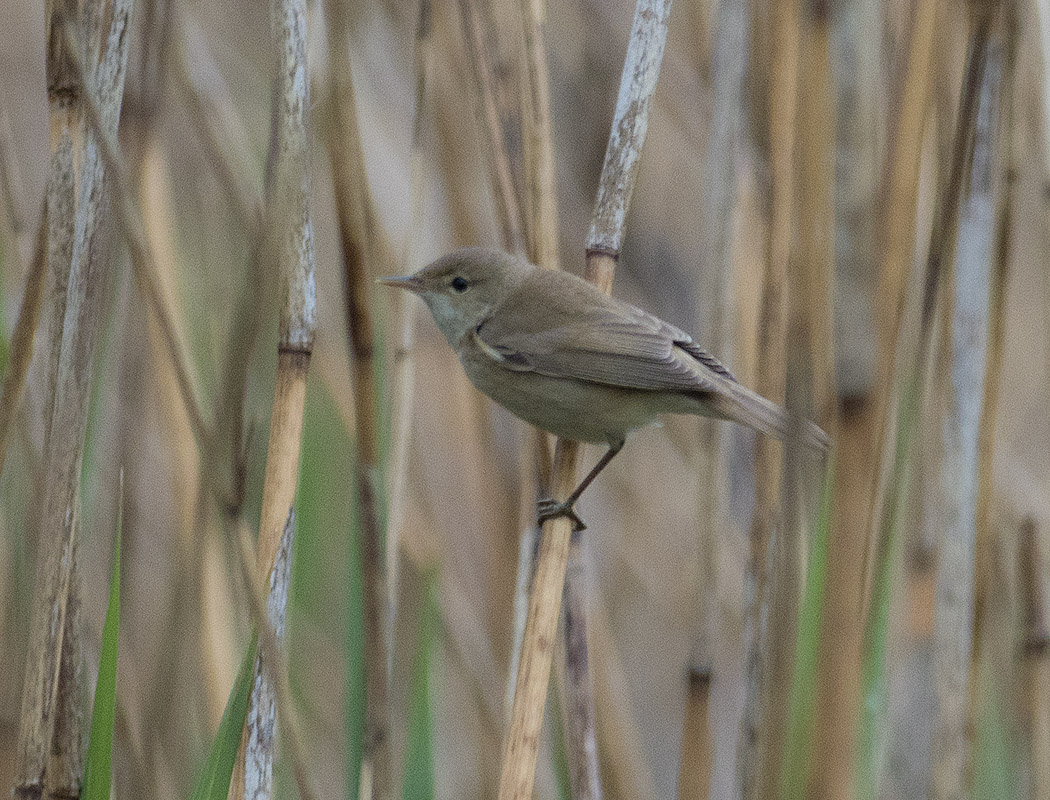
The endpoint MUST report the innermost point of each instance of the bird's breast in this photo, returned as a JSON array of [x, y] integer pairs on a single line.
[[571, 409]]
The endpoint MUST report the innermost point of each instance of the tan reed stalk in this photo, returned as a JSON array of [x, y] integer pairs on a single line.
[[213, 114], [771, 378], [988, 548], [129, 221], [810, 383], [271, 693], [577, 696], [694, 774], [895, 245], [1036, 657], [12, 186], [403, 321], [22, 338], [357, 236], [49, 757], [957, 491], [839, 653], [627, 135], [290, 243], [729, 71], [482, 63]]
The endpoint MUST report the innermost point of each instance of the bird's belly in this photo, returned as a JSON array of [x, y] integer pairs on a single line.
[[586, 412]]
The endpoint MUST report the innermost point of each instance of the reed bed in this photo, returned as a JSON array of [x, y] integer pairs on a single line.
[[326, 569]]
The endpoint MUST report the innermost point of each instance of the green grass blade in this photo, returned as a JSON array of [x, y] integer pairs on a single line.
[[799, 745], [419, 752], [98, 769], [214, 781]]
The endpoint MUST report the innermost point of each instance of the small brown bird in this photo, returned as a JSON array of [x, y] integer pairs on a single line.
[[562, 355]]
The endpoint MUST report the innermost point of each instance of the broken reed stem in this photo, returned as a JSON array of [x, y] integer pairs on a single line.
[[626, 138], [771, 377], [290, 243], [271, 693], [49, 757], [358, 243], [508, 208], [957, 491], [22, 337]]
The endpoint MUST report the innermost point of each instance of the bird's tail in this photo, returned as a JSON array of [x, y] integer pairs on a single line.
[[739, 404]]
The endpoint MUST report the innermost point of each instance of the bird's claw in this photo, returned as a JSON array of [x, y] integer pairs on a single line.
[[551, 509]]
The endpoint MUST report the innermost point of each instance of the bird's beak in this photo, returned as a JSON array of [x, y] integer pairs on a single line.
[[410, 282]]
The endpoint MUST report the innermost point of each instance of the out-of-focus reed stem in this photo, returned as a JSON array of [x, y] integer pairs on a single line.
[[358, 243], [82, 65], [957, 490], [694, 774], [729, 70], [896, 248], [290, 243], [501, 173], [1035, 698], [988, 548], [771, 377], [403, 322], [22, 338], [627, 135]]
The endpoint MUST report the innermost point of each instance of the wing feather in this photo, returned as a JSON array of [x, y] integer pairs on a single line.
[[582, 334]]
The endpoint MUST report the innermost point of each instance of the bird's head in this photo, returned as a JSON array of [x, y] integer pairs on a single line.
[[464, 287]]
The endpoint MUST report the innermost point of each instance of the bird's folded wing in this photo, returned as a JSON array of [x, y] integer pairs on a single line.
[[612, 343]]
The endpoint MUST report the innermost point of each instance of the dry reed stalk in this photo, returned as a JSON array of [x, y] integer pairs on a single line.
[[771, 378], [896, 255], [214, 115], [290, 243], [49, 757], [223, 136], [271, 694], [729, 70], [1036, 656], [839, 655], [482, 63], [957, 492], [809, 384], [404, 323], [624, 765], [22, 337], [577, 697], [626, 138], [988, 549], [694, 774], [132, 229], [357, 238], [12, 187]]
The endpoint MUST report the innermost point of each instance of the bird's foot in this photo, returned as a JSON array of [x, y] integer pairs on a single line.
[[550, 509]]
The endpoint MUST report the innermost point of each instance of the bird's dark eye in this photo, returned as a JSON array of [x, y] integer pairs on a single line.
[[460, 284]]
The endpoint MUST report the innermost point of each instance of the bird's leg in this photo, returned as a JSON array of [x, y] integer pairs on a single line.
[[549, 509]]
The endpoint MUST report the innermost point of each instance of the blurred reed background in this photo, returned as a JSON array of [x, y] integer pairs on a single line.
[[845, 201]]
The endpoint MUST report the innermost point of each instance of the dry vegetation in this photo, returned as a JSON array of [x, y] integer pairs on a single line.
[[846, 201]]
